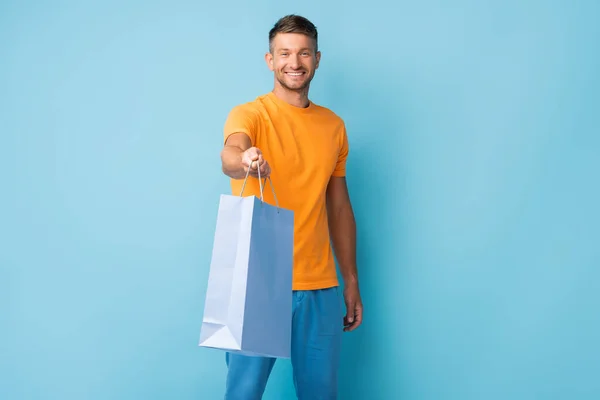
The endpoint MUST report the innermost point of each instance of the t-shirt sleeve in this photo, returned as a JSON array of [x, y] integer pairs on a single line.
[[241, 119], [340, 167]]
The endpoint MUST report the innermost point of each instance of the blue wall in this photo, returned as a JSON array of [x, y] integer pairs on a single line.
[[474, 129]]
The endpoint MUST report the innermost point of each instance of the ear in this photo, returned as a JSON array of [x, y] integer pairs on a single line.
[[318, 56], [269, 60]]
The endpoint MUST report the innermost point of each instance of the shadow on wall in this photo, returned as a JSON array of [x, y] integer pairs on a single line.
[[377, 171]]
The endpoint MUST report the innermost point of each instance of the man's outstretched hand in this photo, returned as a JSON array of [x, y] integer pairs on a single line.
[[252, 159], [354, 307]]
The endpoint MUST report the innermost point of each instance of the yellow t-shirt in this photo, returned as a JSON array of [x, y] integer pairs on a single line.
[[305, 147]]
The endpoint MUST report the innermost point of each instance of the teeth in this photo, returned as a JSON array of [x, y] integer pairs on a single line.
[[295, 73]]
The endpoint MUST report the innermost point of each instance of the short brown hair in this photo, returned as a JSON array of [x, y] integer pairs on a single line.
[[294, 24]]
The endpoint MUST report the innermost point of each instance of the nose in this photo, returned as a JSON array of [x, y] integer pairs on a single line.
[[295, 61]]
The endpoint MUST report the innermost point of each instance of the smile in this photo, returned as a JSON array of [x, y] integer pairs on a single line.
[[295, 73]]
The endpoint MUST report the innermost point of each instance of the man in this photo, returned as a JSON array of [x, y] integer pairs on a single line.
[[303, 148]]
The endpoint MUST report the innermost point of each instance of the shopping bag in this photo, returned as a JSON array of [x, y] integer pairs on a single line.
[[248, 306]]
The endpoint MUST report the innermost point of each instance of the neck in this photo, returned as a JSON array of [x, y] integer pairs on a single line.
[[298, 98]]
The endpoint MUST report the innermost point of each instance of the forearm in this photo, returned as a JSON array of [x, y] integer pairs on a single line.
[[231, 159], [342, 228]]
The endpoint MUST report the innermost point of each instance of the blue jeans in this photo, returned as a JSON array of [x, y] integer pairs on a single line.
[[317, 322]]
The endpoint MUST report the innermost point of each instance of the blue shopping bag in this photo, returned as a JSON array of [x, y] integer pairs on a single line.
[[248, 306]]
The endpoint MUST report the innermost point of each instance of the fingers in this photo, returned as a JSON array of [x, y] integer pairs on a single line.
[[357, 318], [259, 161], [249, 156], [252, 154], [350, 314], [353, 317], [262, 166], [265, 169], [253, 159]]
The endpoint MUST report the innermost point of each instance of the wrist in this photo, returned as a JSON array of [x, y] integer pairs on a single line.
[[350, 280]]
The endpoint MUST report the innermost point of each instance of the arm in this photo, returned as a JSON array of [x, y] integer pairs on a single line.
[[241, 128], [342, 228], [231, 155]]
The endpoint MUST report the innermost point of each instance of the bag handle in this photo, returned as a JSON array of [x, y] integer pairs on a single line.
[[260, 185]]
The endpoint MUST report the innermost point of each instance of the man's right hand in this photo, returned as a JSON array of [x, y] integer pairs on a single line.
[[239, 156], [253, 159]]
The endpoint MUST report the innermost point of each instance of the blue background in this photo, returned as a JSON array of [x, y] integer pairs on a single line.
[[474, 169]]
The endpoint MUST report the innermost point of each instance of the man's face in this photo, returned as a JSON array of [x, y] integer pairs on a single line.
[[293, 60]]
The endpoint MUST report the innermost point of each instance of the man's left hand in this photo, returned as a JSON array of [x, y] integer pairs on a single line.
[[354, 307]]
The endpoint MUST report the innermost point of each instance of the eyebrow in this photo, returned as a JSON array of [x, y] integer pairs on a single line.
[[302, 49]]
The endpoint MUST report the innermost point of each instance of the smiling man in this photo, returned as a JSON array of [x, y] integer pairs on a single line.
[[303, 147]]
